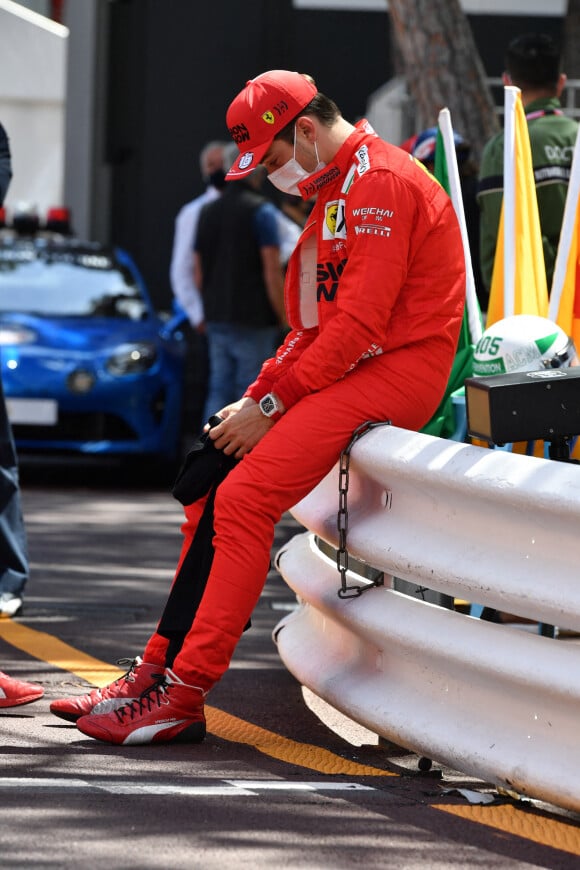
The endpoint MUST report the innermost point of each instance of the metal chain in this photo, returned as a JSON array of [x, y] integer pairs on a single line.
[[342, 560]]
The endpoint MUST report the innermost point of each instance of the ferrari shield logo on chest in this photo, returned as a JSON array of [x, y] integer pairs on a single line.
[[334, 226]]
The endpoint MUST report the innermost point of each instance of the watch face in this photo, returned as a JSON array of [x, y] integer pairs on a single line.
[[268, 405]]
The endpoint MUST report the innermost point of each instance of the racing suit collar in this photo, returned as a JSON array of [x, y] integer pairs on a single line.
[[339, 164]]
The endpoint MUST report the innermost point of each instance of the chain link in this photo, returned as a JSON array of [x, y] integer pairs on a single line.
[[345, 590]]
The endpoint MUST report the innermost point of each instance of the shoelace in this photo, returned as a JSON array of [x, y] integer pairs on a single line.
[[145, 702], [128, 677], [130, 664]]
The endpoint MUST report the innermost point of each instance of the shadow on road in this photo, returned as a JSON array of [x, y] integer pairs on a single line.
[[100, 473]]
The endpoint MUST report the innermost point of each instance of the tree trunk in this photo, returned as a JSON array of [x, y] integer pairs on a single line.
[[443, 68], [571, 52]]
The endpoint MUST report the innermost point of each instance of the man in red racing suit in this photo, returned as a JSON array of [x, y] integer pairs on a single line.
[[374, 296]]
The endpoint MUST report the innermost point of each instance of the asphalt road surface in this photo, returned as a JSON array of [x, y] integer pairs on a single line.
[[281, 779]]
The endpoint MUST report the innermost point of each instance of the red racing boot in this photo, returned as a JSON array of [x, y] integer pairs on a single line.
[[140, 676], [15, 692], [167, 712]]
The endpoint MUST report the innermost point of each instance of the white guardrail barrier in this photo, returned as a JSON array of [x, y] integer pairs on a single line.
[[481, 525]]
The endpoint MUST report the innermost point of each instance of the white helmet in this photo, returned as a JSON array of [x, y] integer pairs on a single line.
[[522, 343]]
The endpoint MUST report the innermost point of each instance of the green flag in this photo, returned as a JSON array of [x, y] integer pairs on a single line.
[[447, 419]]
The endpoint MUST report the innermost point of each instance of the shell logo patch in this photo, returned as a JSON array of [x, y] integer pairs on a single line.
[[268, 117]]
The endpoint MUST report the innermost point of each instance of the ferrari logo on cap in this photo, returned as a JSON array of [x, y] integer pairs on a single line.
[[268, 117]]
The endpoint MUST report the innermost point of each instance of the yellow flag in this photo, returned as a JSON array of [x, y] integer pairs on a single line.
[[518, 284], [565, 293]]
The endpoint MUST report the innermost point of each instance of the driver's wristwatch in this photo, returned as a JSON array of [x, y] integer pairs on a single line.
[[270, 406]]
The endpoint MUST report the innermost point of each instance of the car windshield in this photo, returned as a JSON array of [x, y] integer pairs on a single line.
[[67, 283]]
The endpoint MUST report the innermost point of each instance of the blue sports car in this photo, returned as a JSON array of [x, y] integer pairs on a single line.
[[88, 366]]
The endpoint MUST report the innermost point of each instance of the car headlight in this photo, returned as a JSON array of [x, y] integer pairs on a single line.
[[11, 334], [132, 359]]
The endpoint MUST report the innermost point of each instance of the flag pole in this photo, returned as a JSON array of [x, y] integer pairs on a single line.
[[511, 94], [471, 301], [566, 234]]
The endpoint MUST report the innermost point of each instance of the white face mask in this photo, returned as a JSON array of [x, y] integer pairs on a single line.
[[288, 176]]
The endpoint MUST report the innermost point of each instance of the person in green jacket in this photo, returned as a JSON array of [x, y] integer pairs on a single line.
[[533, 64]]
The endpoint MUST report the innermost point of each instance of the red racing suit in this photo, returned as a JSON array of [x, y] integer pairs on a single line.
[[376, 231], [375, 293]]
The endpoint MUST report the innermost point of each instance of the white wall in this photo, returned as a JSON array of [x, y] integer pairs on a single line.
[[32, 104]]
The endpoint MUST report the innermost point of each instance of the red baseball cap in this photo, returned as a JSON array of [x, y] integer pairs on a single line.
[[261, 110]]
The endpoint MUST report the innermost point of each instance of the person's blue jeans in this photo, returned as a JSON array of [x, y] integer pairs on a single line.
[[14, 566], [236, 354]]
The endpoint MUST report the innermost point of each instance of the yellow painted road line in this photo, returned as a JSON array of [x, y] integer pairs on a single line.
[[528, 824], [268, 742], [59, 654], [55, 652]]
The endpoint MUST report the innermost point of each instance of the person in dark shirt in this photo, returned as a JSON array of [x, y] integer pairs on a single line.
[[238, 267]]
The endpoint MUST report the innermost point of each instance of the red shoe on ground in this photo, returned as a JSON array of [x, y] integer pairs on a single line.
[[15, 692], [168, 712], [140, 676]]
